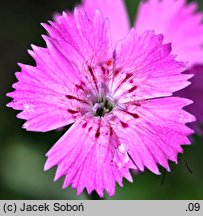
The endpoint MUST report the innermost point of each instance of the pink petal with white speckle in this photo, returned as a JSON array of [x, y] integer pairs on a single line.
[[41, 96], [156, 134], [90, 156]]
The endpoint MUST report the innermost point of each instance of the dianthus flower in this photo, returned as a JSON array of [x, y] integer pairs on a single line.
[[117, 95]]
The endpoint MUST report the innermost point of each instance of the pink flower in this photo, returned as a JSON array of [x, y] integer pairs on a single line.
[[117, 96], [179, 22]]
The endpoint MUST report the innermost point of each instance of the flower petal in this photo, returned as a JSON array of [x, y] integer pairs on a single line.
[[41, 96], [147, 69], [195, 93], [54, 93], [90, 156], [156, 134], [81, 40], [115, 11], [179, 22]]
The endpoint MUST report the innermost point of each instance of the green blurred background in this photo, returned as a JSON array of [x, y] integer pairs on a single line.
[[22, 153]]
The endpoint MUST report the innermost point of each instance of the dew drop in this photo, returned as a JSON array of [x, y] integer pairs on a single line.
[[120, 158]]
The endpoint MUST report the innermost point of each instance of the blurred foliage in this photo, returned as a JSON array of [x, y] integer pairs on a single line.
[[22, 154]]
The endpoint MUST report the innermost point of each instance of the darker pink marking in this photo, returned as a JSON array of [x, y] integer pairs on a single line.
[[103, 69], [136, 104], [84, 125], [111, 131], [93, 76], [97, 133], [132, 89], [90, 128], [82, 83], [134, 115], [75, 98], [117, 71], [70, 97], [124, 125], [109, 62], [72, 111], [128, 75], [79, 87]]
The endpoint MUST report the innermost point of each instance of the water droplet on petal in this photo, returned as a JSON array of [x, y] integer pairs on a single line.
[[120, 158]]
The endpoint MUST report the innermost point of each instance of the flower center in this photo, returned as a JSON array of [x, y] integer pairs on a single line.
[[102, 106]]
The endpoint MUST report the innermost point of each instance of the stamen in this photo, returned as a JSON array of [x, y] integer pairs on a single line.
[[102, 106]]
